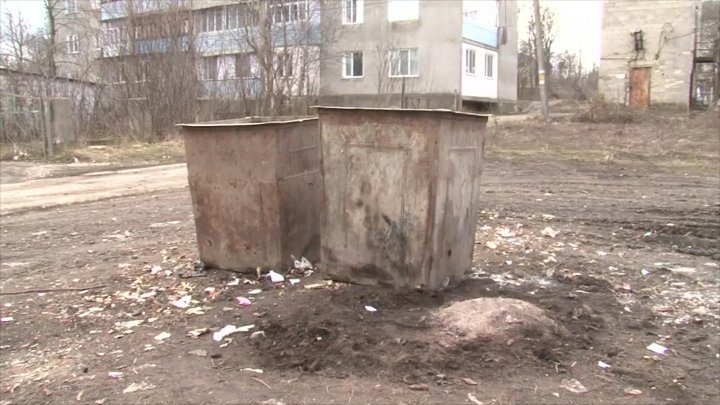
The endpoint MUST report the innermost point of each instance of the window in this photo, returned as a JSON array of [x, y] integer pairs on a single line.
[[209, 68], [352, 11], [70, 6], [284, 66], [95, 4], [404, 63], [353, 64], [470, 61], [289, 12], [245, 65], [489, 59], [241, 15], [403, 10], [73, 44]]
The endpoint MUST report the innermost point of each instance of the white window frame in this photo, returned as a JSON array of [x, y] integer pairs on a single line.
[[489, 66], [352, 16], [70, 6], [283, 13], [73, 44], [400, 10], [396, 57], [349, 57], [282, 62], [470, 61], [204, 71]]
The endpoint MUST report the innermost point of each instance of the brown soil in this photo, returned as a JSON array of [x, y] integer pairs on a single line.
[[322, 346]]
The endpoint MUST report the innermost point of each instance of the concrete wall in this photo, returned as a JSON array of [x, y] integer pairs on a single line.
[[437, 34], [668, 38], [508, 52]]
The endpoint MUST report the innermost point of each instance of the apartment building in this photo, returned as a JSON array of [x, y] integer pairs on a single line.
[[77, 40], [459, 54], [421, 54]]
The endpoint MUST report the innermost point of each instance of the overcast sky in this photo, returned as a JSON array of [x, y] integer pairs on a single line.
[[579, 22]]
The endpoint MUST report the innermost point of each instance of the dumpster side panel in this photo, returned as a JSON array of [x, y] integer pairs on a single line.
[[460, 164], [300, 190], [376, 170], [234, 195]]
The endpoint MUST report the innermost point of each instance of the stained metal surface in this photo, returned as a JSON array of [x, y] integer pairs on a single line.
[[401, 191], [639, 87], [256, 191]]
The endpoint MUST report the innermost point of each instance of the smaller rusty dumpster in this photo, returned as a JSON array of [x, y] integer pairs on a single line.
[[256, 190], [401, 192]]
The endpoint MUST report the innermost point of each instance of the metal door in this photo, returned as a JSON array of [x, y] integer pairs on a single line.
[[639, 87]]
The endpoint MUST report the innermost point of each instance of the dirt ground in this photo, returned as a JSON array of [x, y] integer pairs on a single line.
[[613, 231]]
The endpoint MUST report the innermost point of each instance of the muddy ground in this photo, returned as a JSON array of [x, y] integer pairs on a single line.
[[634, 260]]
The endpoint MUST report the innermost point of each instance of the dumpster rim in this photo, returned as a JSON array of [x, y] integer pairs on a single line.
[[229, 123], [430, 110]]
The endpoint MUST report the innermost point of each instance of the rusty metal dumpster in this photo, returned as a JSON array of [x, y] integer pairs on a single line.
[[401, 192], [256, 190]]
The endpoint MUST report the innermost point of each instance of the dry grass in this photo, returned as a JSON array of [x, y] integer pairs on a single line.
[[656, 139], [171, 151]]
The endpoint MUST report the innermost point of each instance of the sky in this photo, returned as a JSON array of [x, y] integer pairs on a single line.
[[579, 22]]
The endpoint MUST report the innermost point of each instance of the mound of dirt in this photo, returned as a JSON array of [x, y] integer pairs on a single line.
[[497, 319]]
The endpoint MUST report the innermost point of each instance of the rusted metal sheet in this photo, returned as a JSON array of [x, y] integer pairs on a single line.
[[639, 87], [401, 191], [256, 190]]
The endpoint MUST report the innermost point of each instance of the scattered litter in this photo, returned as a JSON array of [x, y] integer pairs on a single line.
[[229, 330], [573, 385], [116, 374], [226, 342], [294, 281], [644, 272], [243, 302], [602, 364], [601, 253], [491, 244], [506, 233], [141, 386], [472, 398], [275, 277], [233, 282], [198, 352], [682, 270], [257, 334], [657, 348], [632, 391], [7, 319], [40, 233], [101, 401], [303, 264], [557, 394], [198, 332], [469, 381], [549, 232], [664, 308], [315, 286], [253, 370], [419, 387], [548, 216], [370, 309], [163, 224], [162, 336], [129, 324], [197, 310], [199, 265], [508, 262], [710, 264], [156, 269], [255, 291], [183, 302]]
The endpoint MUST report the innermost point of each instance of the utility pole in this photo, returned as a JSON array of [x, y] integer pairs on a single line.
[[539, 55]]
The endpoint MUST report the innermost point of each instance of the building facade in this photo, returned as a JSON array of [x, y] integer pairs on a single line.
[[421, 54], [648, 51], [77, 39]]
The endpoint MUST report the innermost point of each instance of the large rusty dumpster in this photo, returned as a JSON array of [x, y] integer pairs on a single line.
[[256, 190], [401, 192]]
